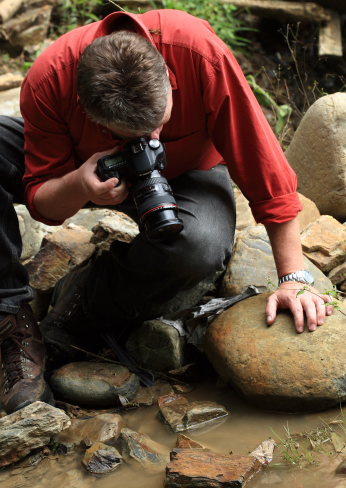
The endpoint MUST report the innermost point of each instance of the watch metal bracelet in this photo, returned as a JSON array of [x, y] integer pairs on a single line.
[[301, 276]]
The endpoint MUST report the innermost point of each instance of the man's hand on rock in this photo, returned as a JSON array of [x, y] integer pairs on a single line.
[[310, 303]]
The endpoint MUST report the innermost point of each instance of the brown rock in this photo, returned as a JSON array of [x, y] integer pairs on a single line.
[[10, 80], [324, 243], [244, 214], [338, 274], [317, 154], [115, 227], [60, 252], [149, 395], [245, 218], [274, 366], [309, 214], [182, 415], [184, 442], [28, 28], [101, 428], [194, 468]]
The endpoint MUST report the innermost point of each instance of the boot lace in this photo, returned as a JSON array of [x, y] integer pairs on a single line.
[[12, 351]]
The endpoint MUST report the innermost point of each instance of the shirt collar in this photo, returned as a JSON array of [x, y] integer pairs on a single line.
[[133, 22]]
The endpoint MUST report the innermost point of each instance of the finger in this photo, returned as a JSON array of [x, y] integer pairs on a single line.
[[320, 310], [114, 196], [104, 187], [271, 309], [298, 315], [329, 308], [311, 308]]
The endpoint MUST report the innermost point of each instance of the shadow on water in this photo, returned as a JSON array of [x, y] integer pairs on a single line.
[[245, 428]]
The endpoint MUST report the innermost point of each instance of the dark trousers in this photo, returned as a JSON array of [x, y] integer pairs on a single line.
[[131, 280]]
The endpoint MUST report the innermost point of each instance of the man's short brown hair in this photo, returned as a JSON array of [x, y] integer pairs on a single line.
[[122, 81]]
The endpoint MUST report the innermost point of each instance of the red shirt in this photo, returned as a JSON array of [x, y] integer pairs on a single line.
[[215, 117]]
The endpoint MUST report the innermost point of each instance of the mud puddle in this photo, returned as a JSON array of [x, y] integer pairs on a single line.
[[245, 428]]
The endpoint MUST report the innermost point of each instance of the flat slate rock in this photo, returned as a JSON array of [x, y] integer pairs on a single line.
[[201, 468], [180, 414]]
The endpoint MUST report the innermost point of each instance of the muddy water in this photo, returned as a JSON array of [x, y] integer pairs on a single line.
[[240, 433]]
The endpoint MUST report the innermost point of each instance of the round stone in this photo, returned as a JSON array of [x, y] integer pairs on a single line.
[[276, 367], [93, 383]]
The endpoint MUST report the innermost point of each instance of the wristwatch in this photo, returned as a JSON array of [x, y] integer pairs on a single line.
[[302, 276]]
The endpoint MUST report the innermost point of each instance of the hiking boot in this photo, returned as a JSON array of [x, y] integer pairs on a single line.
[[66, 325], [22, 359]]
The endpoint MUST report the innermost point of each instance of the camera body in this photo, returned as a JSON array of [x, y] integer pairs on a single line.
[[140, 164]]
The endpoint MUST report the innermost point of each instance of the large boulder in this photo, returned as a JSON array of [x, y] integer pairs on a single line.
[[275, 367], [317, 154]]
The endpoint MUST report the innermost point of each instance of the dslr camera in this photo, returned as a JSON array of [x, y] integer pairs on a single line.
[[140, 163]]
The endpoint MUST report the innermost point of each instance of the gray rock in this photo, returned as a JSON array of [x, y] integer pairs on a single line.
[[180, 414], [138, 447], [317, 154], [94, 383], [32, 232], [275, 367], [253, 263], [156, 345], [30, 428], [102, 459]]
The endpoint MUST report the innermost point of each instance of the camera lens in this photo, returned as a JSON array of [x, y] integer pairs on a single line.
[[156, 207]]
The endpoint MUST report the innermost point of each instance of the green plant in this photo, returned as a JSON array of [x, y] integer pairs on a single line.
[[282, 112], [307, 448], [74, 13], [334, 293], [295, 449], [221, 16]]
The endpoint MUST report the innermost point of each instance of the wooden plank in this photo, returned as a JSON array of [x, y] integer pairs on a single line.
[[330, 37], [307, 11]]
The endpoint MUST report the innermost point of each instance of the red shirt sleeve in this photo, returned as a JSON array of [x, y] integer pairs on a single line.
[[244, 138], [48, 145]]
